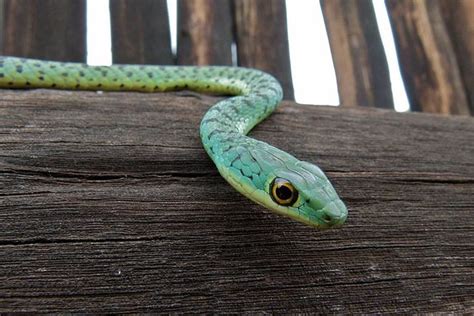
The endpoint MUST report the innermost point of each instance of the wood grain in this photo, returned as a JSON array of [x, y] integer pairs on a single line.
[[427, 60], [48, 29], [108, 204], [205, 32], [358, 54], [140, 32], [262, 39], [459, 18]]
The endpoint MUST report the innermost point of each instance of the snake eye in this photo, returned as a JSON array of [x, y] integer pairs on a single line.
[[283, 192]]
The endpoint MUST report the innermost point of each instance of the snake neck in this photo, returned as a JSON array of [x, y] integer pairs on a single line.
[[246, 163]]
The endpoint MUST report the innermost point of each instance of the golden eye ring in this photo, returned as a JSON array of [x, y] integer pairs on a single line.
[[283, 192]]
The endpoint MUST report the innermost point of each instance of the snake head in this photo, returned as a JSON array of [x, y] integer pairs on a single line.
[[284, 184], [302, 191]]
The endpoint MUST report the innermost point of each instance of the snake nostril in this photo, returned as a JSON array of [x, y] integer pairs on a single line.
[[325, 217], [333, 214]]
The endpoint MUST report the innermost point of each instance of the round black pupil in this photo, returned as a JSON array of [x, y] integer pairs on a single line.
[[284, 193]]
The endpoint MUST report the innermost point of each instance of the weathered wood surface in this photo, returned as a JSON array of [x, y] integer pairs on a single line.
[[427, 60], [1, 23], [459, 18], [140, 32], [49, 29], [205, 32], [262, 39], [358, 53], [108, 203]]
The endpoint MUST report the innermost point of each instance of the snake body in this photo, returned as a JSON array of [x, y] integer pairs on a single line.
[[261, 172]]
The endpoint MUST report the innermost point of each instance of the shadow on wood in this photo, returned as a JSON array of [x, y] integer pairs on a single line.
[[110, 204]]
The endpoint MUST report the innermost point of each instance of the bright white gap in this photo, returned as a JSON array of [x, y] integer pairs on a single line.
[[99, 44], [314, 78], [400, 98], [312, 69], [173, 21]]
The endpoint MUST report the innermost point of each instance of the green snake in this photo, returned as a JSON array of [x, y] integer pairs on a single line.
[[262, 173]]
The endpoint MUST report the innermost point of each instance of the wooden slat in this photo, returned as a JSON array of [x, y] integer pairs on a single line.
[[358, 53], [262, 39], [2, 5], [459, 18], [140, 32], [47, 29], [204, 32], [427, 60], [109, 204]]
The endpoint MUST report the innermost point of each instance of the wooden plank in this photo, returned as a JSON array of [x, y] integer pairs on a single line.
[[458, 16], [204, 32], [262, 39], [140, 32], [2, 4], [108, 204], [427, 60], [358, 53], [47, 29]]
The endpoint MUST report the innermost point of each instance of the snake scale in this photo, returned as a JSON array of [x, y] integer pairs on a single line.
[[261, 172]]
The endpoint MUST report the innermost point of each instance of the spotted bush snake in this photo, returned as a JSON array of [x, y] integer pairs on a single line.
[[261, 172]]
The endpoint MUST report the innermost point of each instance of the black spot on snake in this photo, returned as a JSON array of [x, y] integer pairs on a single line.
[[212, 119]]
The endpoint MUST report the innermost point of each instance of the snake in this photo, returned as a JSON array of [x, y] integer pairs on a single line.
[[261, 172]]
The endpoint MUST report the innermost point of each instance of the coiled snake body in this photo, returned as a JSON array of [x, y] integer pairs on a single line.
[[263, 173]]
